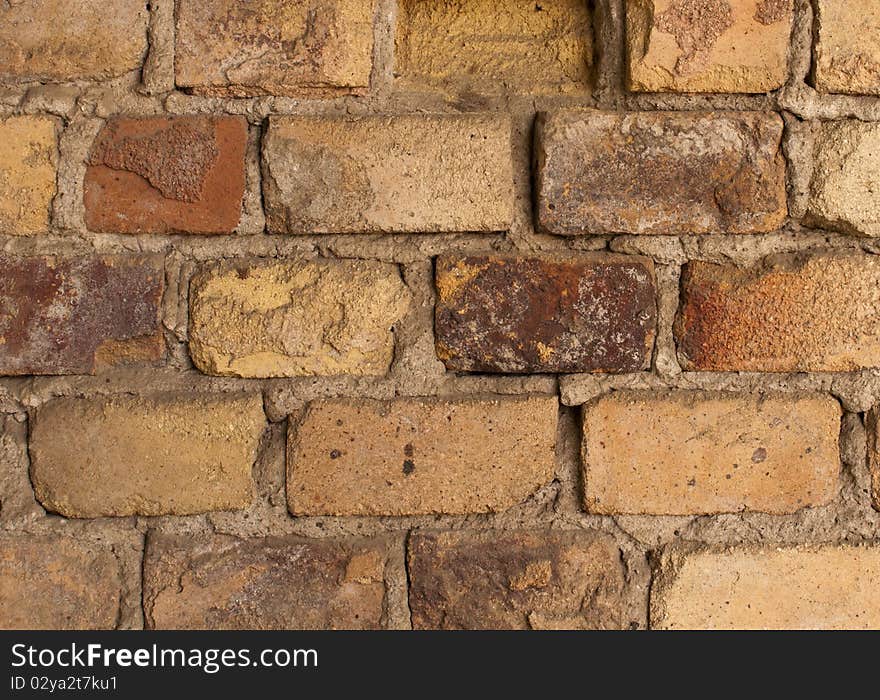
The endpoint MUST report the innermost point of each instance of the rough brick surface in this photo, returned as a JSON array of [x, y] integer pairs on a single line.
[[708, 45], [545, 314], [410, 173], [290, 319], [872, 421], [659, 172], [279, 47], [843, 193], [481, 45], [785, 314], [59, 40], [182, 174], [145, 456], [847, 49], [689, 452], [80, 314], [515, 580], [417, 456], [269, 583], [28, 161], [50, 582], [830, 587]]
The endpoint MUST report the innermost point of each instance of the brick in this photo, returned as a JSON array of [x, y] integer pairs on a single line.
[[160, 455], [481, 46], [221, 582], [820, 587], [28, 164], [843, 195], [419, 456], [410, 173], [872, 421], [585, 313], [78, 315], [515, 580], [783, 314], [302, 48], [180, 174], [59, 40], [847, 47], [288, 319], [693, 452], [659, 172], [708, 45], [53, 582]]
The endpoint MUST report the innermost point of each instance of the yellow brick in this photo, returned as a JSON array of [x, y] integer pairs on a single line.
[[28, 164]]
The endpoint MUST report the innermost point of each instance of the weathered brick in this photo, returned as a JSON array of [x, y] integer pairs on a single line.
[[52, 582], [843, 193], [418, 456], [285, 582], [693, 452], [287, 319], [76, 315], [59, 40], [515, 580], [410, 173], [708, 45], [847, 48], [584, 313], [28, 163], [822, 587], [789, 313], [659, 172], [872, 421], [179, 174], [160, 455], [279, 47], [484, 46]]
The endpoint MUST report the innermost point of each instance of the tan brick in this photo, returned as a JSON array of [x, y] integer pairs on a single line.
[[221, 582], [819, 587], [693, 452], [60, 40], [161, 455], [516, 580], [289, 319], [789, 313], [419, 456], [486, 46], [28, 163], [843, 192], [411, 173], [708, 45], [51, 582], [847, 49], [277, 47]]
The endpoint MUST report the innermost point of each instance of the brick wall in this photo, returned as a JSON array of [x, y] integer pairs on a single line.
[[439, 313]]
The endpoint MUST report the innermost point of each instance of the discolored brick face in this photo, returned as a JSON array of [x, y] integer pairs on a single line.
[[277, 47], [78, 315], [51, 582], [781, 315], [659, 172], [160, 455], [419, 456], [847, 48], [515, 580], [221, 582], [708, 45], [819, 587], [589, 313], [695, 453], [181, 174], [28, 164]]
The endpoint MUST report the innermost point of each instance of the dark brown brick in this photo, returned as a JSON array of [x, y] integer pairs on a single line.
[[270, 583], [584, 313], [76, 315], [182, 174], [515, 580]]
